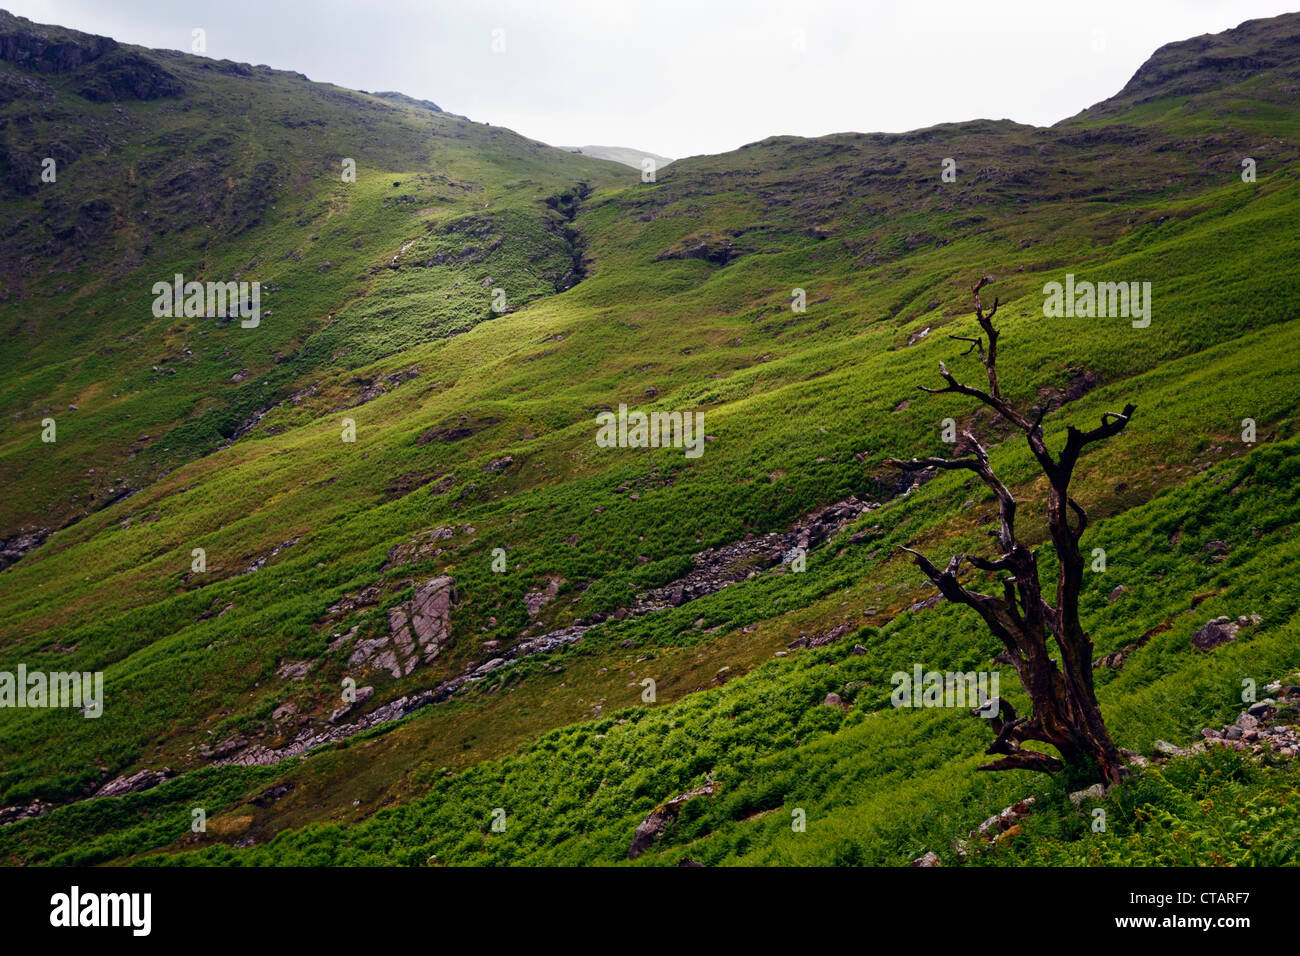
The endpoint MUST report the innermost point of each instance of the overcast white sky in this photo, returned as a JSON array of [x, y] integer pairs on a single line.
[[681, 77]]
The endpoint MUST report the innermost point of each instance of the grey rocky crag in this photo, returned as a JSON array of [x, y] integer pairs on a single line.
[[418, 631]]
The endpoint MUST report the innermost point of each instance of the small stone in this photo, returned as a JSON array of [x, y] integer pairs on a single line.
[[1096, 792]]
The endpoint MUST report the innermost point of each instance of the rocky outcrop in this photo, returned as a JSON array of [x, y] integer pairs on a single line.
[[717, 249], [309, 739], [105, 69], [372, 388], [366, 597], [715, 568], [127, 75], [24, 811], [534, 601], [653, 826], [11, 549], [418, 630], [363, 694], [550, 641], [294, 670], [1221, 630], [260, 562], [26, 45], [143, 780], [223, 748], [1081, 382], [458, 427], [822, 639], [1268, 726], [997, 827]]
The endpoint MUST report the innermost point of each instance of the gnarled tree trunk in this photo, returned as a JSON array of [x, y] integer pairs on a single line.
[[1065, 710]]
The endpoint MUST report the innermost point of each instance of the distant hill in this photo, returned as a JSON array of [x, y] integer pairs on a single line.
[[412, 101], [621, 154]]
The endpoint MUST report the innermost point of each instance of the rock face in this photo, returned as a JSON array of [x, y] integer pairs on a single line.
[[534, 601], [105, 70], [715, 568], [1221, 630], [653, 826], [427, 617], [418, 630], [238, 751], [295, 670], [363, 695], [11, 549], [143, 780]]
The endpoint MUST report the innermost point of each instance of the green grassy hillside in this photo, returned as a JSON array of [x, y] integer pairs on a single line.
[[475, 430]]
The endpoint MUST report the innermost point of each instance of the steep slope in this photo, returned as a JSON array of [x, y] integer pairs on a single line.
[[474, 436], [227, 172]]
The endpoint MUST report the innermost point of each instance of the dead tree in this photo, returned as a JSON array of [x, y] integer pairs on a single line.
[[1065, 710]]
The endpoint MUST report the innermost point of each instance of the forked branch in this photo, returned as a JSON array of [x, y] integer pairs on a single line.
[[1065, 710]]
